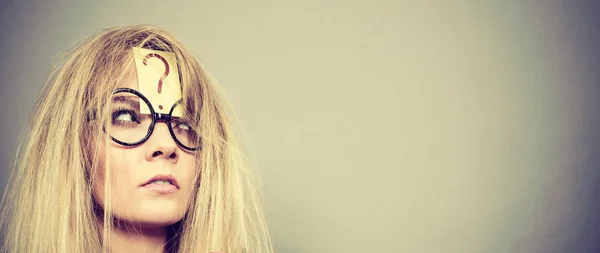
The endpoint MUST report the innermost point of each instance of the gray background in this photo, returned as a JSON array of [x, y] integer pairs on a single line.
[[377, 126]]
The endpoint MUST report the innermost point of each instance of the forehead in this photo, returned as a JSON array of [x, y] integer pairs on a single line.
[[157, 77], [130, 79], [161, 100]]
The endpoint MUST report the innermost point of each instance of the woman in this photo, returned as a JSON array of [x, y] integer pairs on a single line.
[[98, 174]]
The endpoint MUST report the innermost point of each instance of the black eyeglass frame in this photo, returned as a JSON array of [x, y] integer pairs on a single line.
[[156, 117]]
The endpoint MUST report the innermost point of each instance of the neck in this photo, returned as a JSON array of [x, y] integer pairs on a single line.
[[127, 237]]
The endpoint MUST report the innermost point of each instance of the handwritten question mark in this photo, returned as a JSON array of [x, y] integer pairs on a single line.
[[162, 78]]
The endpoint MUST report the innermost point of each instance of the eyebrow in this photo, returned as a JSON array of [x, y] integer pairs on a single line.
[[127, 100]]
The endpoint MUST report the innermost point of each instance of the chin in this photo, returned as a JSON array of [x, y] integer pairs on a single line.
[[153, 220], [157, 223], [154, 216]]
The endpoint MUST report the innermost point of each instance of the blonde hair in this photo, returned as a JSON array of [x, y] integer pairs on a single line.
[[48, 205]]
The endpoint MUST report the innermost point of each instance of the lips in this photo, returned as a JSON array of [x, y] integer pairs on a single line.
[[169, 178]]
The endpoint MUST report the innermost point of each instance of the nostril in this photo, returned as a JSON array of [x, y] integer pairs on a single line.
[[172, 156], [157, 153]]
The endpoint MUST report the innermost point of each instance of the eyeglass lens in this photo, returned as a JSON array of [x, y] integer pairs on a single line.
[[130, 126]]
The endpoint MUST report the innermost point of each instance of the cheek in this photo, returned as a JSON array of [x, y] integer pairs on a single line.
[[97, 177], [186, 175], [128, 168], [119, 175], [98, 187]]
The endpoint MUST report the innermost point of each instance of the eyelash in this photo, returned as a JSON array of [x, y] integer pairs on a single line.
[[121, 111], [183, 124], [136, 120]]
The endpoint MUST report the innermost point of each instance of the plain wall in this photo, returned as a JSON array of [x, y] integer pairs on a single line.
[[377, 126]]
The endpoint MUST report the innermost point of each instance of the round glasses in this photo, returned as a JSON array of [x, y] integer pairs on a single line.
[[129, 127]]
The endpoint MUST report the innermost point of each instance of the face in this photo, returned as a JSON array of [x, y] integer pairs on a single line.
[[135, 195]]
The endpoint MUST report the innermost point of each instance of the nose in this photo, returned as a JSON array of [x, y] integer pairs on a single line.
[[161, 145]]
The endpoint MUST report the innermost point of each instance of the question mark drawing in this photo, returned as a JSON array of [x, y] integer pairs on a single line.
[[162, 78]]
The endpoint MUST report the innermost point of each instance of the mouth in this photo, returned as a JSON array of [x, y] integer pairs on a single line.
[[162, 184]]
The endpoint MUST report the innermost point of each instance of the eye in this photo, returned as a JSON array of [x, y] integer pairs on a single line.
[[182, 126], [125, 117]]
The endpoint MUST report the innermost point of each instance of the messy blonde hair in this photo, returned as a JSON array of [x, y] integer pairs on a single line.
[[49, 206]]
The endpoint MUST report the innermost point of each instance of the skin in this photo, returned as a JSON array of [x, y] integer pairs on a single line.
[[144, 215]]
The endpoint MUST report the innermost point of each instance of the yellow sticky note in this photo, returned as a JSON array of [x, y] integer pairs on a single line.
[[158, 80]]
